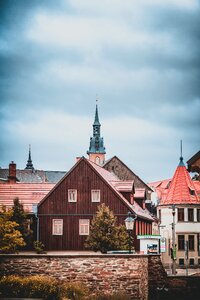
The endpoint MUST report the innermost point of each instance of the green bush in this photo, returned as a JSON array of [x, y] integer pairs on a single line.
[[38, 247], [75, 291], [33, 286]]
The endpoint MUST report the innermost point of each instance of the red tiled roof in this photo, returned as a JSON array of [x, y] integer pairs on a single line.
[[182, 189], [28, 193]]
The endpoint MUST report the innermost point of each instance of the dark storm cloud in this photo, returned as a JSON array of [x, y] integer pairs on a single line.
[[142, 58]]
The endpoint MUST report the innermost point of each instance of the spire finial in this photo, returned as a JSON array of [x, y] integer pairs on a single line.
[[29, 164], [181, 157]]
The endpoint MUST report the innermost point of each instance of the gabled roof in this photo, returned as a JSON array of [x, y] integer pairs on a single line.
[[108, 178], [182, 189], [28, 193], [194, 158], [115, 157]]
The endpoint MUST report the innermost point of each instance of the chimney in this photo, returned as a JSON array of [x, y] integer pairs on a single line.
[[131, 199], [12, 172]]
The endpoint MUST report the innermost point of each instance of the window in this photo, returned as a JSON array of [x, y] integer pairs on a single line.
[[95, 194], [192, 192], [181, 261], [97, 160], [180, 214], [190, 214], [191, 262], [181, 241], [57, 227], [198, 215], [72, 195], [84, 226], [191, 242]]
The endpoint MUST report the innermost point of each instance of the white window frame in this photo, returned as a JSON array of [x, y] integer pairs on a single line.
[[57, 229], [84, 226], [70, 193], [94, 195]]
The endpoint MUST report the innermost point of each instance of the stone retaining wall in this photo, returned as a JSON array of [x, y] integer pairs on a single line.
[[105, 273]]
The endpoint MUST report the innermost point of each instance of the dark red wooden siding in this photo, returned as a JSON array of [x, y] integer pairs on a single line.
[[56, 206]]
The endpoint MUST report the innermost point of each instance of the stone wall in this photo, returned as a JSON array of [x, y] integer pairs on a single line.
[[111, 273]]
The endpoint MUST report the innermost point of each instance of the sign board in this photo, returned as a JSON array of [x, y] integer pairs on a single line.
[[162, 245], [148, 236]]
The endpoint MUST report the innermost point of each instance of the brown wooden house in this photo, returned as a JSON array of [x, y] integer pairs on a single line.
[[66, 212]]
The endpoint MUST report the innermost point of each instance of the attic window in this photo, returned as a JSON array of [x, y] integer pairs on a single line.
[[95, 195], [72, 195], [192, 192]]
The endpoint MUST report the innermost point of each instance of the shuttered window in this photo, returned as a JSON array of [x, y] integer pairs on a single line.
[[84, 226], [57, 226]]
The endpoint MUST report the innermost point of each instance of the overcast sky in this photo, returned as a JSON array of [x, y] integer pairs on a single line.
[[142, 58]]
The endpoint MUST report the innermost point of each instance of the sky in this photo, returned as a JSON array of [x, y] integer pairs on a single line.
[[140, 58]]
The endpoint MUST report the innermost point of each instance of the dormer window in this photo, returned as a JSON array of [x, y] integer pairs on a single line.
[[192, 192], [72, 195], [95, 195]]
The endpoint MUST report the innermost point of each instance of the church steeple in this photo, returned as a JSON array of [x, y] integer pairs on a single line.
[[29, 165], [96, 150]]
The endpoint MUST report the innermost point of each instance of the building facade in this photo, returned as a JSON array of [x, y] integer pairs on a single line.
[[181, 196], [66, 212]]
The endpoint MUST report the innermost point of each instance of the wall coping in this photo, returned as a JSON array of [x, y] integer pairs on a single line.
[[73, 255]]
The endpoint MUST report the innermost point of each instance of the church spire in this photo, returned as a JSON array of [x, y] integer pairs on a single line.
[[29, 164], [181, 163], [96, 150]]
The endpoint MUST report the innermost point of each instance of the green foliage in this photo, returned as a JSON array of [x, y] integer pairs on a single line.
[[38, 247], [75, 290], [105, 235], [21, 218], [31, 287], [10, 238]]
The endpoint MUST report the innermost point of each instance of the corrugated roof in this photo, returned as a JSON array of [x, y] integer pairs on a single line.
[[182, 189], [28, 193]]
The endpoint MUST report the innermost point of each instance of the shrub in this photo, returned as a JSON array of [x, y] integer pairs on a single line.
[[38, 247], [75, 291], [33, 286]]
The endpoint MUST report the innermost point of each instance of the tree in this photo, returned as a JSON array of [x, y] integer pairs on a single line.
[[104, 234], [21, 218], [10, 238]]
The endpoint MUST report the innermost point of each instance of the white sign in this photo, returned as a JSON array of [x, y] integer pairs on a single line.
[[162, 245]]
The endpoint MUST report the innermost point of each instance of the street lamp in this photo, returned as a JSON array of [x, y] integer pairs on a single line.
[[129, 222], [173, 241]]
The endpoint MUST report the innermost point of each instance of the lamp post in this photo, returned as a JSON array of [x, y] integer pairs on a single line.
[[173, 242], [129, 222]]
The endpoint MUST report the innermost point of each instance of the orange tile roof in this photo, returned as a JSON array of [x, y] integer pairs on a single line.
[[28, 193], [182, 189]]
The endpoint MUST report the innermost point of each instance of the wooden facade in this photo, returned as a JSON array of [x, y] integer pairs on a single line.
[[83, 177]]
